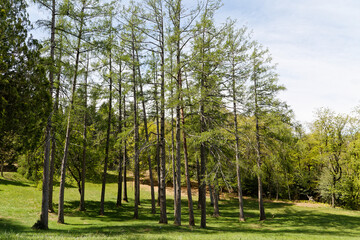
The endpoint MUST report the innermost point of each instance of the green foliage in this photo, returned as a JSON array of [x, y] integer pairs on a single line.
[[23, 84]]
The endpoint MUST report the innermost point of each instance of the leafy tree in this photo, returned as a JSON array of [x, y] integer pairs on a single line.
[[261, 100]]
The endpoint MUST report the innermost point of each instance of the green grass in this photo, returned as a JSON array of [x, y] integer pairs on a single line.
[[20, 203]]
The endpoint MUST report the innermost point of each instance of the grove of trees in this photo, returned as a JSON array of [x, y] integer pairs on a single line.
[[160, 90]]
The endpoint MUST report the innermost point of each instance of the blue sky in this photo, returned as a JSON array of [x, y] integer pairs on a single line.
[[316, 44]]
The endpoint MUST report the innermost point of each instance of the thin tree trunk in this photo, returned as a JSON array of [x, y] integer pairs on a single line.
[[68, 127], [173, 156], [2, 168], [238, 173], [83, 162], [288, 186], [158, 153], [199, 182], [210, 187], [118, 201], [260, 188], [53, 147], [216, 199], [177, 189], [147, 140], [102, 201], [125, 153], [163, 214], [187, 175], [44, 218], [136, 131], [202, 170]]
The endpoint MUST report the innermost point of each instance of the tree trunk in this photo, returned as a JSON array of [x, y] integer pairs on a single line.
[[163, 215], [2, 168], [211, 193], [68, 127], [44, 218], [136, 131], [53, 146], [173, 155], [199, 182], [260, 188], [118, 201], [125, 153], [177, 206], [83, 162], [102, 201], [147, 140], [216, 199]]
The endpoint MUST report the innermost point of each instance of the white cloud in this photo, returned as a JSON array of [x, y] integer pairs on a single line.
[[315, 43]]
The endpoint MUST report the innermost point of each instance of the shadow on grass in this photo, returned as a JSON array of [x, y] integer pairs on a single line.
[[282, 218], [12, 182], [8, 225]]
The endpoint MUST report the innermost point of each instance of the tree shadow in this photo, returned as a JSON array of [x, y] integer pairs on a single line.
[[14, 183], [8, 225]]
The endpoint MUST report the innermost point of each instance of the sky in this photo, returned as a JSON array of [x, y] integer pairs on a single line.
[[316, 44]]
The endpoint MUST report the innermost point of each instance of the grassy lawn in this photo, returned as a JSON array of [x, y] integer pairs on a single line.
[[20, 203]]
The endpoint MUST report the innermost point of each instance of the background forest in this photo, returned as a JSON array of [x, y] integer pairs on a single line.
[[159, 91]]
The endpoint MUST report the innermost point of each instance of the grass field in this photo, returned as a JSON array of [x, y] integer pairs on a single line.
[[20, 203]]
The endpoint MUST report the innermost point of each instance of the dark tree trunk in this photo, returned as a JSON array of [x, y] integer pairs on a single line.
[[199, 182], [216, 199], [2, 168]]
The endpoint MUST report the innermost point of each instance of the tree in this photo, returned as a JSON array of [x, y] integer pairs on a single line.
[[85, 13], [236, 67], [23, 87], [331, 130], [262, 99], [205, 62]]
